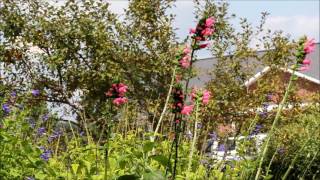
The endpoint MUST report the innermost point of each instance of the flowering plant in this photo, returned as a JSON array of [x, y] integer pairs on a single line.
[[305, 47], [118, 91]]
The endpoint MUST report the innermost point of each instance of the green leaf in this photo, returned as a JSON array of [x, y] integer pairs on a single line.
[[153, 175], [75, 168], [161, 160], [148, 146]]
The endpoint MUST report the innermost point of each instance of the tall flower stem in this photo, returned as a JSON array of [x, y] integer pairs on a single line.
[[190, 69], [188, 80], [312, 160], [169, 159], [106, 158], [176, 140], [281, 105], [284, 177], [152, 138], [194, 138]]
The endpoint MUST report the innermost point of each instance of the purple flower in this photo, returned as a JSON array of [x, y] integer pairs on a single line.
[[265, 105], [221, 147], [13, 94], [35, 92], [6, 108], [213, 136], [55, 135], [46, 154], [81, 133], [41, 131], [256, 130], [30, 178], [45, 117]]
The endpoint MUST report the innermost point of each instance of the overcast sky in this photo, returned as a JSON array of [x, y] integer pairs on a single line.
[[293, 17]]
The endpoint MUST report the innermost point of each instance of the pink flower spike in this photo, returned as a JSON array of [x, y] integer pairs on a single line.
[[198, 38], [206, 97], [192, 31], [187, 110], [309, 46], [184, 63], [207, 32], [186, 50], [123, 89], [210, 21], [306, 62], [119, 101], [304, 68], [186, 58], [193, 93]]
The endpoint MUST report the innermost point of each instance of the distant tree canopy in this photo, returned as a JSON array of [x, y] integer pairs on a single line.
[[78, 49], [81, 46]]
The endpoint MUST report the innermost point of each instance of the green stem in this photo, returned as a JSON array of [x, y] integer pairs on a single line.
[[274, 125], [293, 161], [194, 138], [273, 156], [176, 140], [74, 135], [314, 157], [152, 138]]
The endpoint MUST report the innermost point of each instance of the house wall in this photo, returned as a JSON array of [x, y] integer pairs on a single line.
[[305, 90]]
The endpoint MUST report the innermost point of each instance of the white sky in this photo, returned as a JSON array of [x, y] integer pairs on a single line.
[[293, 17]]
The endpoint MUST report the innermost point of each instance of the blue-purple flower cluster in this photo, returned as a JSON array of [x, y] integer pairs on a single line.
[[55, 135], [46, 154], [6, 108], [256, 130], [264, 112], [41, 131]]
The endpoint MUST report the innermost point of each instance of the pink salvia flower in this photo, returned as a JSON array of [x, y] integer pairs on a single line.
[[198, 38], [186, 50], [206, 97], [119, 101], [209, 22], [192, 31], [304, 68], [193, 93], [306, 62], [187, 110], [184, 63], [122, 89], [207, 32], [309, 46], [186, 58]]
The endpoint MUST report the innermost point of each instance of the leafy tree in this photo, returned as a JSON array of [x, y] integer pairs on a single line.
[[76, 50]]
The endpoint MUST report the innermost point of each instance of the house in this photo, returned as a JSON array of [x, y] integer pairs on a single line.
[[307, 83]]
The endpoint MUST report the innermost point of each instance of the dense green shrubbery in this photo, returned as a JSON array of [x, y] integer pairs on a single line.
[[76, 155], [114, 75]]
